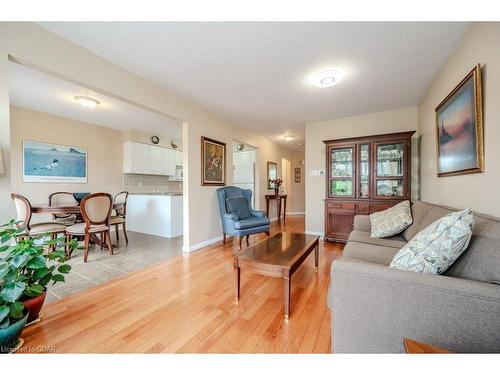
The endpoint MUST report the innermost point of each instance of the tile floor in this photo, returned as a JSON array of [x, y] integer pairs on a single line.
[[142, 251]]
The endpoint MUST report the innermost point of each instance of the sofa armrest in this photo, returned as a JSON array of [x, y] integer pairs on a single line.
[[362, 223], [374, 307], [257, 213]]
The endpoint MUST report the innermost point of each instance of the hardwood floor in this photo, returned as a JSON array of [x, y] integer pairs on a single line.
[[187, 305]]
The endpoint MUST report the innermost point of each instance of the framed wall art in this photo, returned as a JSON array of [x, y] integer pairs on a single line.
[[459, 123], [213, 162], [44, 162]]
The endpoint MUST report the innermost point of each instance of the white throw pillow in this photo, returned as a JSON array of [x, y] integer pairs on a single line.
[[436, 247], [392, 221]]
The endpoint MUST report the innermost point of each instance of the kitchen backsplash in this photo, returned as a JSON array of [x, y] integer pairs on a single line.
[[141, 183]]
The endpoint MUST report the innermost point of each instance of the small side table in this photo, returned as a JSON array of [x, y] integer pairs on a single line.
[[416, 347], [279, 198]]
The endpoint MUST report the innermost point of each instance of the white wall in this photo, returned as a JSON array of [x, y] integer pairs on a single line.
[[480, 45], [398, 120]]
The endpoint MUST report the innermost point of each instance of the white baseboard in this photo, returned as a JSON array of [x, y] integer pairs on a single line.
[[295, 213], [200, 245]]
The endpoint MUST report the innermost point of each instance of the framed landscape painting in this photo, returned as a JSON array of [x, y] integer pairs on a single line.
[[213, 162], [43, 162], [460, 128]]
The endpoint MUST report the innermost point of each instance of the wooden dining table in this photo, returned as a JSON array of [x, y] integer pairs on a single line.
[[67, 209]]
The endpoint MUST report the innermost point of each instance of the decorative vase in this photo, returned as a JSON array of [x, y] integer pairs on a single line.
[[34, 305], [10, 336], [276, 191]]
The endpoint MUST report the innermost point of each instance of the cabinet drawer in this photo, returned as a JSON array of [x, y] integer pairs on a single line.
[[379, 207], [343, 205], [363, 207]]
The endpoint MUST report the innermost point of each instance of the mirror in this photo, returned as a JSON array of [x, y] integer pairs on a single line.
[[272, 172]]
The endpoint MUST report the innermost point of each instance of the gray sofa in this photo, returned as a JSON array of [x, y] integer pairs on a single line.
[[374, 307]]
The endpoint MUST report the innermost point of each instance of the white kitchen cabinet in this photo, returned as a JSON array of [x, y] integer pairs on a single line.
[[159, 215], [141, 158], [157, 156], [169, 162], [178, 158], [135, 157]]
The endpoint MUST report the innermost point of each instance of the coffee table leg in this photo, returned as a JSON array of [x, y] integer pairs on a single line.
[[288, 287], [237, 272], [316, 258]]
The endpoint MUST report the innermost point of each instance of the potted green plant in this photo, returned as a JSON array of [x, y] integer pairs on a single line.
[[13, 315], [36, 267]]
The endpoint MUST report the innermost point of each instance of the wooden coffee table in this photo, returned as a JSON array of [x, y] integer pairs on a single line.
[[277, 256]]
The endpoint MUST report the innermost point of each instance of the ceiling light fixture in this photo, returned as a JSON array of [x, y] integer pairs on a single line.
[[289, 137], [327, 78], [87, 102]]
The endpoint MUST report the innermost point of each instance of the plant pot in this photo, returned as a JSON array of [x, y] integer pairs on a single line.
[[9, 336], [34, 305]]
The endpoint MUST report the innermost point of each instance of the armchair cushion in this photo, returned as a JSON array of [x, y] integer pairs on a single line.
[[239, 206], [251, 223]]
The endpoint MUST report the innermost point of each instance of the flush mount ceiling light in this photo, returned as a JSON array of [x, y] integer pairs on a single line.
[[289, 137], [86, 102], [327, 78]]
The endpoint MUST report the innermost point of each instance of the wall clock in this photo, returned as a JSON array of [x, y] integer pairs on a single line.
[[155, 139]]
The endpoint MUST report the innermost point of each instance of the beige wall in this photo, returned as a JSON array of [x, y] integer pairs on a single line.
[[370, 124], [104, 147], [35, 46], [297, 190], [480, 45]]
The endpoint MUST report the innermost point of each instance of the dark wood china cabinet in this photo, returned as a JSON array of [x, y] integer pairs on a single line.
[[364, 175]]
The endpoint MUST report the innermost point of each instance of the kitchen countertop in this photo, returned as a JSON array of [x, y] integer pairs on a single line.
[[159, 194]]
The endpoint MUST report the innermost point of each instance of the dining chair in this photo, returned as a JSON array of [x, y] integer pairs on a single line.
[[63, 198], [24, 213], [120, 205], [96, 212]]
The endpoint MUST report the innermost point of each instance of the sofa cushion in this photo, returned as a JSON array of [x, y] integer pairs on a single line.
[[481, 261], [251, 223], [369, 252], [435, 248], [391, 221], [418, 211], [239, 206], [396, 242]]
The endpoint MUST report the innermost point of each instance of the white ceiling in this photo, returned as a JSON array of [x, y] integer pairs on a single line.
[[257, 74], [32, 89]]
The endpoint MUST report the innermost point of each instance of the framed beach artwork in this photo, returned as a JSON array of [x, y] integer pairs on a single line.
[[459, 121], [213, 162], [43, 162]]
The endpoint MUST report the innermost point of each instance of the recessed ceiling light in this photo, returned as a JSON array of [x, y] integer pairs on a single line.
[[86, 102], [327, 78], [289, 137]]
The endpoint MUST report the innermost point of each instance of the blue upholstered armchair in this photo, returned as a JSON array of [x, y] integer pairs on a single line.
[[237, 216]]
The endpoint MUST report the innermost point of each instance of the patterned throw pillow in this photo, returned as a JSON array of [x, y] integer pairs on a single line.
[[392, 221], [437, 246]]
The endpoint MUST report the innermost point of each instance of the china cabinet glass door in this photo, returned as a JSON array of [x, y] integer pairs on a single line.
[[364, 170], [342, 171], [390, 169]]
